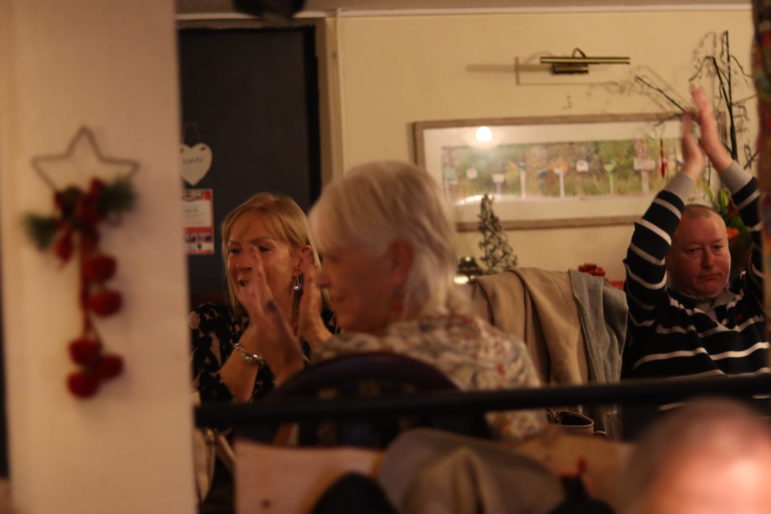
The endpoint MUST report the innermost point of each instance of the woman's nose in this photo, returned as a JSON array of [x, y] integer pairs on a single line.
[[244, 261]]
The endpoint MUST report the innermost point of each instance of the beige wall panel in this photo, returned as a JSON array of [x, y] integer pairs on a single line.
[[396, 70], [110, 66]]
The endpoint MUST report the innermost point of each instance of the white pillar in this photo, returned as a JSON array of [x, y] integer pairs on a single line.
[[110, 66]]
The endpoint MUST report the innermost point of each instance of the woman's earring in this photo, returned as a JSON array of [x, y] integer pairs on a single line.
[[297, 287]]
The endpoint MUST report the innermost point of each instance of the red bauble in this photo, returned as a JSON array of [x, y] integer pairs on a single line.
[[99, 267], [88, 212], [96, 186], [89, 239], [63, 246], [88, 207], [85, 351], [109, 366], [105, 302], [82, 384]]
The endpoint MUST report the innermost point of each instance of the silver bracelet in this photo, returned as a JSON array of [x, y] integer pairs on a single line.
[[250, 358]]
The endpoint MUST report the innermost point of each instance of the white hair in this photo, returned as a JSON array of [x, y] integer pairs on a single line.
[[377, 202]]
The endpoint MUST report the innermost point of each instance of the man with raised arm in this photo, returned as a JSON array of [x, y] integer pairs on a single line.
[[685, 319]]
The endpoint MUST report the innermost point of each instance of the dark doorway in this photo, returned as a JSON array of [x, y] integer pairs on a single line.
[[251, 95]]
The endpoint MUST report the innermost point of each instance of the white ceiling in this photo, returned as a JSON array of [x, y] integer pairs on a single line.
[[324, 6]]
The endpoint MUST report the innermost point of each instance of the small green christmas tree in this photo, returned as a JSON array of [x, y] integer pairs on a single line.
[[498, 255]]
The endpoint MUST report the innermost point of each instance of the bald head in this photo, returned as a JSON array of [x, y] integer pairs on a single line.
[[697, 210], [713, 456]]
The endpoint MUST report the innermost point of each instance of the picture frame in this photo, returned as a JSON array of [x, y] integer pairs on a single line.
[[551, 171]]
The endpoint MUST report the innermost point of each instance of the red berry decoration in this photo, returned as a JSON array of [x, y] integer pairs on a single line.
[[82, 384], [592, 269], [105, 303], [96, 187], [89, 212], [85, 351], [72, 232], [99, 267], [109, 366], [67, 201], [63, 246]]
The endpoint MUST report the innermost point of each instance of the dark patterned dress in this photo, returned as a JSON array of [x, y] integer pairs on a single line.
[[215, 328]]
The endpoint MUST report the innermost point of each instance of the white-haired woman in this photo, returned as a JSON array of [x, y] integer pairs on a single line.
[[388, 246]]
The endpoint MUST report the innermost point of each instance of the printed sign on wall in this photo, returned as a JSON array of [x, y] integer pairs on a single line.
[[198, 216]]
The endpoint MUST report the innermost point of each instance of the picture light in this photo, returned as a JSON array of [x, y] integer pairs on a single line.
[[579, 62]]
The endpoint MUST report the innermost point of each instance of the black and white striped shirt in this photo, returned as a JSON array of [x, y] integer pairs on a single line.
[[673, 334]]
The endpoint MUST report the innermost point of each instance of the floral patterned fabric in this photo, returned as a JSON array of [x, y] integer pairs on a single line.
[[473, 354], [215, 328]]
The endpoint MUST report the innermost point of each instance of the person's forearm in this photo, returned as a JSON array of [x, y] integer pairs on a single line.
[[713, 146], [237, 373], [239, 376], [645, 260], [719, 157], [292, 366], [682, 185], [733, 177]]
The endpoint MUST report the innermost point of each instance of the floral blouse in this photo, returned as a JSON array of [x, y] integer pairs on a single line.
[[215, 328], [473, 354]]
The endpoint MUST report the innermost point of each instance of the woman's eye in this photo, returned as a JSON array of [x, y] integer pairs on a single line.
[[263, 249], [233, 251]]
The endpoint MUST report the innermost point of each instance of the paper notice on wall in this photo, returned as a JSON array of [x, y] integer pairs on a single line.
[[198, 219]]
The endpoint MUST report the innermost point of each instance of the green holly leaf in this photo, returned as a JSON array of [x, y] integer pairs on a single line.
[[723, 199], [41, 229], [118, 196]]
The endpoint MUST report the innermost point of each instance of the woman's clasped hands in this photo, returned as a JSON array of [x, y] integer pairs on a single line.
[[310, 325], [275, 340]]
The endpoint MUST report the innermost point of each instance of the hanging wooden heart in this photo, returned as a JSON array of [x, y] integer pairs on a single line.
[[196, 162]]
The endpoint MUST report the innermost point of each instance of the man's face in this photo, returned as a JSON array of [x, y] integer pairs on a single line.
[[699, 261]]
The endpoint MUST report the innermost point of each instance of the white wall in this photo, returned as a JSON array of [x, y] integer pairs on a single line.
[[396, 70], [111, 66]]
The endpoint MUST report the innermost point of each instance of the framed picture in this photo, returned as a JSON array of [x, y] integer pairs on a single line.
[[556, 171]]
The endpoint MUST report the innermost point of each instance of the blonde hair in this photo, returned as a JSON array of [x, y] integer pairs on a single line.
[[285, 221], [379, 201]]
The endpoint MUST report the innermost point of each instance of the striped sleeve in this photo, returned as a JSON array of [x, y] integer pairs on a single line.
[[646, 278], [746, 198]]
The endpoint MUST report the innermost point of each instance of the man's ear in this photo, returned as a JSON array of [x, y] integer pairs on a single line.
[[401, 254]]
